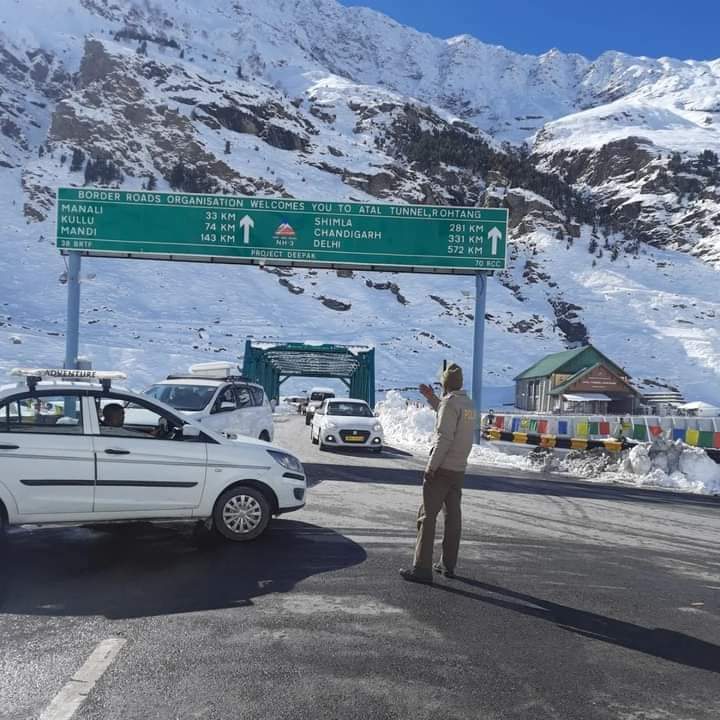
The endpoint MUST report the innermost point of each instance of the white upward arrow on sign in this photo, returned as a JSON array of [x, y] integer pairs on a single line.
[[247, 223], [495, 235]]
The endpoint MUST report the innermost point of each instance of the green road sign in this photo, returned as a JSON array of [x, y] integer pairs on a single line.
[[281, 231]]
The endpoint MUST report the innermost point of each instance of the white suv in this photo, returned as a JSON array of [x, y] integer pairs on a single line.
[[216, 396], [68, 455]]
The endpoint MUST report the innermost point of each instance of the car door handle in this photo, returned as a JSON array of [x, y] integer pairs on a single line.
[[9, 447], [116, 451]]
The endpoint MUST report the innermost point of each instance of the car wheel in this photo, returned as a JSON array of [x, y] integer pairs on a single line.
[[265, 435], [323, 446], [307, 419], [241, 513], [313, 439]]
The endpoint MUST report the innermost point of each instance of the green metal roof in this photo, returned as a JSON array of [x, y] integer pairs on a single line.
[[551, 363], [570, 361]]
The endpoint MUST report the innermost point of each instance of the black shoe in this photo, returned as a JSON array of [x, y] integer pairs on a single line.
[[411, 575], [439, 568]]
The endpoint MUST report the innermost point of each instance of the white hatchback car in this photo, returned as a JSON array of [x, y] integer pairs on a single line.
[[215, 395], [346, 423], [67, 455]]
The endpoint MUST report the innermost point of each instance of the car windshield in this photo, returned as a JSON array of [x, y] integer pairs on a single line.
[[349, 409], [320, 396], [188, 398]]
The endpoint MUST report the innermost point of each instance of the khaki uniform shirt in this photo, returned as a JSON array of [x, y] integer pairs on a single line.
[[454, 433]]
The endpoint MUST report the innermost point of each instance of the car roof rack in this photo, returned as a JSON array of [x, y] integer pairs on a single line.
[[228, 378], [35, 375]]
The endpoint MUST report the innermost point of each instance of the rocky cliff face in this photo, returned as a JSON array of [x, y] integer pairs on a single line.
[[605, 166]]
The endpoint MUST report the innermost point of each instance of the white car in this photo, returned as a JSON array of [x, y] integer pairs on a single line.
[[216, 396], [346, 423], [295, 401], [317, 397], [68, 456]]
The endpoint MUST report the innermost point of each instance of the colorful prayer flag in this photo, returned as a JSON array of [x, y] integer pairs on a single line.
[[706, 438], [640, 433]]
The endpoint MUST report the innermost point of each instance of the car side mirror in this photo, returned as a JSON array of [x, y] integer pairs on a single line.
[[190, 432]]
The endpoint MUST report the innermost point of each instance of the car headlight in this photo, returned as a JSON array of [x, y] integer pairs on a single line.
[[289, 462], [331, 426], [377, 427]]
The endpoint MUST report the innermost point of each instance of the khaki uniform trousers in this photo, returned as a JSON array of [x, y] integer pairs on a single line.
[[443, 492]]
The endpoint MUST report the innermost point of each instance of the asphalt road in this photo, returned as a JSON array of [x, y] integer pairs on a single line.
[[573, 601]]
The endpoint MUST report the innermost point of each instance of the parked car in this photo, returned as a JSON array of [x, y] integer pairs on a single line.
[[215, 395], [296, 401], [69, 455], [317, 397], [346, 423]]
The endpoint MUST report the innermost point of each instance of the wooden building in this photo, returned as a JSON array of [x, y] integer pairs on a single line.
[[582, 380]]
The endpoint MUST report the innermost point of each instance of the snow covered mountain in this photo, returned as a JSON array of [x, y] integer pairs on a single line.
[[609, 168]]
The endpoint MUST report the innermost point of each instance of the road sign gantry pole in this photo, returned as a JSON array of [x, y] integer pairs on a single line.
[[478, 348], [72, 331]]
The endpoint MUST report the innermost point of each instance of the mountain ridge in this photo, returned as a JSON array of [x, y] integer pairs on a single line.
[[245, 100]]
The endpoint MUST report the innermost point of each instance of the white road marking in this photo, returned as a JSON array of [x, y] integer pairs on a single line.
[[66, 703]]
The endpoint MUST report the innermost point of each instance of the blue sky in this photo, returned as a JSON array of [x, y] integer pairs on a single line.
[[687, 29]]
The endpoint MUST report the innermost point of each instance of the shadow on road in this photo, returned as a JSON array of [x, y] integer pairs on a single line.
[[659, 642], [140, 569], [504, 482]]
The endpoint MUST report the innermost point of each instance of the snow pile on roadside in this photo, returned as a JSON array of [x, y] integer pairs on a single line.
[[672, 465], [405, 422], [662, 463], [487, 453]]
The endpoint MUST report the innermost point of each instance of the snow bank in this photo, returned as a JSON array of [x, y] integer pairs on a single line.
[[411, 425], [406, 422], [672, 465], [662, 463]]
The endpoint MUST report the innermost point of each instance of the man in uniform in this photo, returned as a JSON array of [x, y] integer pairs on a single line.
[[443, 477]]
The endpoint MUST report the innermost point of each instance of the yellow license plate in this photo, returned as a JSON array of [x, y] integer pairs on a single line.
[[354, 438]]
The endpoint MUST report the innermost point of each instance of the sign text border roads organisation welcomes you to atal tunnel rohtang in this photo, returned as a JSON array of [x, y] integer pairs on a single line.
[[281, 231]]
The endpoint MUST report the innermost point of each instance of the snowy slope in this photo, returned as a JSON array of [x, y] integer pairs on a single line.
[[317, 91]]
